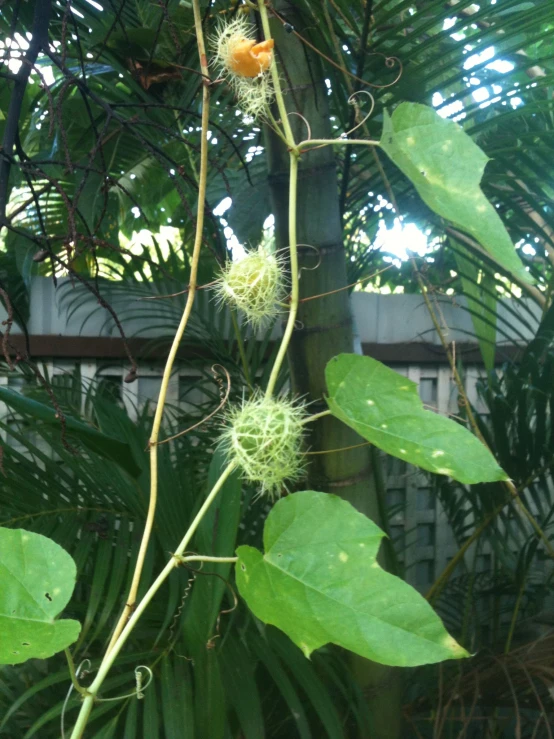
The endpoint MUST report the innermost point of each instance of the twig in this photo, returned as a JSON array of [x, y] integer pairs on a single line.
[[346, 287], [39, 37], [206, 418]]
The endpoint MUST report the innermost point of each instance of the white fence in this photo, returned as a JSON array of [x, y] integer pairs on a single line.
[[390, 327]]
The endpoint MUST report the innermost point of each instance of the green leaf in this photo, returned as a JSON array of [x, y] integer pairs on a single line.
[[37, 578], [446, 167], [319, 582], [385, 408], [103, 445]]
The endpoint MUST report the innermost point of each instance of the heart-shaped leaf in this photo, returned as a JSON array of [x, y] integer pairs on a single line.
[[385, 408], [37, 578], [319, 582], [446, 166]]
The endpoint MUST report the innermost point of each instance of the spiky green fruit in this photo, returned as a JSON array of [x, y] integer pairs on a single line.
[[253, 284], [264, 438]]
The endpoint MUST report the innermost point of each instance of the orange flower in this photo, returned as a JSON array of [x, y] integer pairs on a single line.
[[245, 64], [249, 59]]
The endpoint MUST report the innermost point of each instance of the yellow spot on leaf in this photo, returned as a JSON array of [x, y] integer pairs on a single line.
[[453, 647]]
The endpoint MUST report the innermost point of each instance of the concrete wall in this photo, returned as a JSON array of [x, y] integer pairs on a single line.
[[379, 319]]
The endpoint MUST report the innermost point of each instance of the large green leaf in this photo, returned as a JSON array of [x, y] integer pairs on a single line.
[[319, 582], [446, 168], [385, 408], [37, 578], [103, 445]]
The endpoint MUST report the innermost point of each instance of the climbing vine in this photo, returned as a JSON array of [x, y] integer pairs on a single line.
[[318, 578]]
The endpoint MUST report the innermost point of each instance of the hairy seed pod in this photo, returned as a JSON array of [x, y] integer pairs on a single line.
[[253, 284], [245, 64], [264, 438]]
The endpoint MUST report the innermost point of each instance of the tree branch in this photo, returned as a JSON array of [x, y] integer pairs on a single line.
[[39, 38]]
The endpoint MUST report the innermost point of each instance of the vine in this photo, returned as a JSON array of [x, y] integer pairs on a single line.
[[318, 548]]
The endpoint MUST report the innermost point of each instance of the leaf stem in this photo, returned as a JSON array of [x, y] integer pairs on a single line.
[[202, 558], [316, 416], [111, 656], [73, 673], [131, 598]]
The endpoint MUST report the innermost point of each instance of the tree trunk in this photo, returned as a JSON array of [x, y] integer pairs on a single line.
[[325, 324]]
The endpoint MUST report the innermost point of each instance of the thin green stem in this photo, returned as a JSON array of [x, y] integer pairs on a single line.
[[137, 692], [336, 142], [276, 81], [153, 443], [515, 614], [443, 578], [123, 625], [293, 184], [532, 520], [111, 656], [242, 353], [534, 292], [508, 484], [202, 558], [275, 127], [316, 416], [445, 575], [294, 276], [73, 673]]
